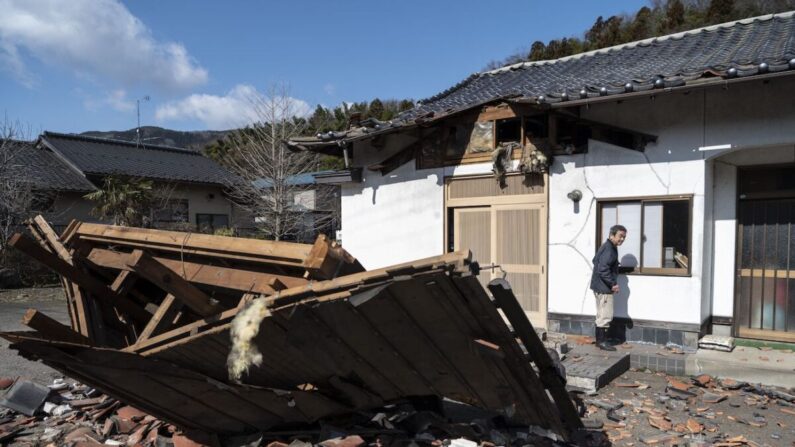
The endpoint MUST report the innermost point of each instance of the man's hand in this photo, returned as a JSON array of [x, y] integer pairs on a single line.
[[615, 288]]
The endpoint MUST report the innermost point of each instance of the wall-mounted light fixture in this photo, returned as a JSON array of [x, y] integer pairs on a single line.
[[575, 195]]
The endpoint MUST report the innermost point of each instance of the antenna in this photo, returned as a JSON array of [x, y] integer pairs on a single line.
[[138, 113]]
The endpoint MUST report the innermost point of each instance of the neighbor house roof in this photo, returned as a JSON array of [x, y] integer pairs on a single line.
[[46, 170], [739, 49], [101, 156]]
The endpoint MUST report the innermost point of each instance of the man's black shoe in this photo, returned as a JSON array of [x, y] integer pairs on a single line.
[[601, 339]]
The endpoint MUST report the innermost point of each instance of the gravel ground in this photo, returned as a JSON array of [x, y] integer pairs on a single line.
[[13, 305]]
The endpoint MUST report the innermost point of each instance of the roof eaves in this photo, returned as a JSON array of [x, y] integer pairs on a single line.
[[636, 43]]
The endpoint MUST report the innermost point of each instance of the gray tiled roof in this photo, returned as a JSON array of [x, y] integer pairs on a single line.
[[101, 156], [736, 49], [46, 170]]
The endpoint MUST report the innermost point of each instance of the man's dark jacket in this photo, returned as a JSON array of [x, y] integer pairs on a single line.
[[605, 268]]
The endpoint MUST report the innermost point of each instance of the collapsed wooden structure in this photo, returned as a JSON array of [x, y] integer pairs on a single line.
[[151, 313]]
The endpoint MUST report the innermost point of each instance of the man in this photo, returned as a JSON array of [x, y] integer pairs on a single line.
[[604, 283]]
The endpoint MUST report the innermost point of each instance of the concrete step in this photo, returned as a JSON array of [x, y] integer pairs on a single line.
[[588, 368]]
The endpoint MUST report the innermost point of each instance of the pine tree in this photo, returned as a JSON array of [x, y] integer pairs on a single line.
[[376, 109], [537, 51]]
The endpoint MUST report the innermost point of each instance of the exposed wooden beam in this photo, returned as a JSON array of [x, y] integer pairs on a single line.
[[506, 300], [124, 282], [52, 238], [162, 318], [211, 275], [52, 329], [170, 281], [94, 286]]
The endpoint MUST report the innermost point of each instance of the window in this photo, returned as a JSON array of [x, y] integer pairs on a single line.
[[172, 211], [658, 233], [208, 223]]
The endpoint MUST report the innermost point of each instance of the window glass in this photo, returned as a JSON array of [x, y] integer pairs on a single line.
[[658, 233], [653, 234], [676, 222], [208, 223], [628, 215]]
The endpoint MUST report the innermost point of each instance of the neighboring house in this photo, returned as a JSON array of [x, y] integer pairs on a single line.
[[58, 188], [194, 184], [315, 202], [688, 140]]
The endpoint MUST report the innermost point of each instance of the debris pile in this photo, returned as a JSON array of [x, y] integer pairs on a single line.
[[235, 337], [66, 413], [656, 409]]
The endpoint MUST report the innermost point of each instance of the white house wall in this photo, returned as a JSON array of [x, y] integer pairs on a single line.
[[394, 218], [745, 116]]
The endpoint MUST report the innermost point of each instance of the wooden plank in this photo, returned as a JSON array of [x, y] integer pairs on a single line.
[[326, 260], [282, 253], [492, 323], [52, 238], [506, 300], [124, 282], [92, 285], [161, 320], [211, 275], [51, 328], [188, 330], [357, 332], [168, 280], [455, 347], [458, 260]]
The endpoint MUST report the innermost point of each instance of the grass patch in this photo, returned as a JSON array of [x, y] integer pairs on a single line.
[[750, 343]]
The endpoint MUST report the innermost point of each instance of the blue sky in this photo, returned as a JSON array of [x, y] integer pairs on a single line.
[[78, 65]]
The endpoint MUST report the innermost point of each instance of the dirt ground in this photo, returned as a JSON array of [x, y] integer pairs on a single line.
[[13, 305]]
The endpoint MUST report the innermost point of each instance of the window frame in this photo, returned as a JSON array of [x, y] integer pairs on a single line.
[[213, 227], [650, 271]]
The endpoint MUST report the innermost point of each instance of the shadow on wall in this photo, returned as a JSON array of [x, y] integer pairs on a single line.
[[404, 173], [621, 319]]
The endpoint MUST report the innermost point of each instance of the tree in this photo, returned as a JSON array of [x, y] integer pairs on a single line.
[[720, 11], [674, 16], [537, 51], [376, 109], [124, 201], [267, 172], [16, 190]]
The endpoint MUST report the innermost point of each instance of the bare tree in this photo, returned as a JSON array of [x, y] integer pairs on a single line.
[[268, 184], [16, 189]]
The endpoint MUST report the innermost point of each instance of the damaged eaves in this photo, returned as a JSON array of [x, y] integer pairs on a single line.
[[719, 55]]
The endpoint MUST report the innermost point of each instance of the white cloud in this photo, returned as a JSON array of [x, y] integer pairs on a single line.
[[117, 100], [330, 89], [241, 106], [94, 38]]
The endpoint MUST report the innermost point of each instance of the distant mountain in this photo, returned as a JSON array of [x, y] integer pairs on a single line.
[[195, 139]]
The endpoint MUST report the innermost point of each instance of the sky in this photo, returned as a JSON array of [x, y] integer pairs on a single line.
[[78, 65]]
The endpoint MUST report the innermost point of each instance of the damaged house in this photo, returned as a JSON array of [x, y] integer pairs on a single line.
[[687, 140]]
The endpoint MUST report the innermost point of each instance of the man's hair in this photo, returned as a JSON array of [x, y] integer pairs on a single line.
[[616, 228]]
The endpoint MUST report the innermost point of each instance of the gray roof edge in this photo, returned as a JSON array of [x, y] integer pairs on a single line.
[[62, 157], [92, 139], [633, 44]]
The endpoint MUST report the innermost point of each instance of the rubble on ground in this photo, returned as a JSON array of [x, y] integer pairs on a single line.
[[642, 408]]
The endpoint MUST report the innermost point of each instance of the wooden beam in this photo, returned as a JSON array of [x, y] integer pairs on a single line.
[[328, 261], [170, 281], [162, 318], [253, 250], [52, 238], [52, 329], [211, 275], [92, 285], [124, 282], [506, 300]]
